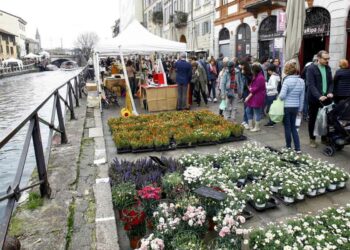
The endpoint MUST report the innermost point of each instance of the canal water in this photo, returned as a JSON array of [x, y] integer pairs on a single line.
[[19, 95]]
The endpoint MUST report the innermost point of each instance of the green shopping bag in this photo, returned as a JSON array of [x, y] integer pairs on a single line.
[[222, 105], [276, 112]]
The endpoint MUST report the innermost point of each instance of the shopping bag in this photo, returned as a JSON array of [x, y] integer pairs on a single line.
[[321, 120], [223, 105], [276, 112]]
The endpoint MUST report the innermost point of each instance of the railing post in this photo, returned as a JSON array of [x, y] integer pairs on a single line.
[[40, 159], [80, 87], [76, 91], [72, 116], [61, 120]]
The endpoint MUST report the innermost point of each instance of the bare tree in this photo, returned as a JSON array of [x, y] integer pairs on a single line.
[[86, 42], [116, 28]]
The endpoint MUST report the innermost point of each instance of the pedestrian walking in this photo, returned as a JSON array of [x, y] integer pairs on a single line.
[[292, 93], [131, 71], [201, 87], [245, 81], [271, 90], [212, 77], [183, 77], [342, 81], [320, 90], [256, 98]]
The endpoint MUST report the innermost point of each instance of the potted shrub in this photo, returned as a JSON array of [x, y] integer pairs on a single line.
[[149, 196], [122, 142], [187, 241], [152, 243], [180, 19], [134, 224], [161, 141]]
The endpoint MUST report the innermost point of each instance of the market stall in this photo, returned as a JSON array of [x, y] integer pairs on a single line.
[[129, 42]]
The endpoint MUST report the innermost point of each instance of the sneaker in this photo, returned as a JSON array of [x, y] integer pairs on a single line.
[[298, 152], [246, 126], [243, 123], [313, 143], [215, 100], [209, 99]]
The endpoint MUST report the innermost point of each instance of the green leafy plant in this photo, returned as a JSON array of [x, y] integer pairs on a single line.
[[34, 201], [123, 195], [172, 183]]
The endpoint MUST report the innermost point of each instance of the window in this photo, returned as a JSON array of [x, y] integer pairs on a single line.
[[197, 29], [1, 51], [7, 49], [197, 3], [12, 51], [205, 28], [175, 6], [224, 2]]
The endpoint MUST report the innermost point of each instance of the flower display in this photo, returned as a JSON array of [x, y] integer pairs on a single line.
[[328, 230], [157, 130], [194, 216], [152, 243]]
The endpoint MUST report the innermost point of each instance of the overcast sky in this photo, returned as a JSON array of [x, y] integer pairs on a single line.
[[64, 19]]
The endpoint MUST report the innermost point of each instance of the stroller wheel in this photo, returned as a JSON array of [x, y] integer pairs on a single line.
[[329, 151]]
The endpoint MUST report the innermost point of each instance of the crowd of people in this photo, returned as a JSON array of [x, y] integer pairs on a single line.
[[258, 83], [255, 83]]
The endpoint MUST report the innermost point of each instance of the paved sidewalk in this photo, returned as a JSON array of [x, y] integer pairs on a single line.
[[267, 136]]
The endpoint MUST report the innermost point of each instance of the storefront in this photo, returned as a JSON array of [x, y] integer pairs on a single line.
[[316, 33], [243, 41], [270, 40], [348, 39], [224, 42]]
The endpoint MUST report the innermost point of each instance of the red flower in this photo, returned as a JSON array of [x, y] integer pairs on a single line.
[[149, 193]]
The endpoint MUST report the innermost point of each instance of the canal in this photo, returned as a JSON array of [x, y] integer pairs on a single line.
[[19, 95]]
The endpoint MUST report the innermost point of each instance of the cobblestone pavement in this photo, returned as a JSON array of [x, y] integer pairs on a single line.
[[267, 136]]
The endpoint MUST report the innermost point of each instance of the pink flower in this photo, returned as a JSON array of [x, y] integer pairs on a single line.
[[225, 230]]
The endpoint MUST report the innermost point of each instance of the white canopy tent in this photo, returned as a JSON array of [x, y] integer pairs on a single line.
[[32, 56], [135, 39], [45, 54], [13, 60]]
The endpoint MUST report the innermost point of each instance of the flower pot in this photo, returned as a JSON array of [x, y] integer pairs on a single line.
[[150, 224], [135, 242], [332, 186], [120, 214], [211, 224], [274, 188], [300, 197], [288, 199], [321, 190], [341, 184], [260, 205], [312, 192]]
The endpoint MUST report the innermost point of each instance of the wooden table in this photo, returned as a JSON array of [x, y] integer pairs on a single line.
[[159, 98]]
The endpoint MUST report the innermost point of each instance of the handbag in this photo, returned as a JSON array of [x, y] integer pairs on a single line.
[[276, 112]]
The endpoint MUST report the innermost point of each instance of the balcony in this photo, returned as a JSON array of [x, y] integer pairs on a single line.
[[258, 5], [180, 19], [157, 17]]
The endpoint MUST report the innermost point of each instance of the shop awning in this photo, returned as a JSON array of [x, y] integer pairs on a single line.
[[254, 6]]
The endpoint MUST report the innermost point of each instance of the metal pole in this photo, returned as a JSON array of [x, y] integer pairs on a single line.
[[40, 159], [61, 120], [76, 92], [72, 116]]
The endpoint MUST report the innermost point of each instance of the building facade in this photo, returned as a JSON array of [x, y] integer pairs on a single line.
[[8, 47], [32, 46], [15, 25], [250, 27]]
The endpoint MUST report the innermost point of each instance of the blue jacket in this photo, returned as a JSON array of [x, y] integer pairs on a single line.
[[293, 92], [183, 72], [314, 82]]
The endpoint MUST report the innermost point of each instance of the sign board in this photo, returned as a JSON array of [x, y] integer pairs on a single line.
[[210, 193], [239, 36], [278, 43], [318, 29]]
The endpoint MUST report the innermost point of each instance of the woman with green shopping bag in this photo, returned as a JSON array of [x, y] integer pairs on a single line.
[[292, 93]]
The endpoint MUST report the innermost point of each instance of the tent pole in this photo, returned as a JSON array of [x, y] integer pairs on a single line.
[[134, 111]]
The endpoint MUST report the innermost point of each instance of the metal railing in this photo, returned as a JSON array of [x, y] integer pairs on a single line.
[[14, 191], [11, 69]]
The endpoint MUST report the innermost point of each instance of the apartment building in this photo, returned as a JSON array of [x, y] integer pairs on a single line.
[[16, 26], [250, 27], [7, 45]]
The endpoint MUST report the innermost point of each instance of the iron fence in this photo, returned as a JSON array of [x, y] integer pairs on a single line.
[[74, 90]]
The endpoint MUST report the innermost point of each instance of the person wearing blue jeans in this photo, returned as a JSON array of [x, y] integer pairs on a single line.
[[254, 113], [290, 130], [292, 93]]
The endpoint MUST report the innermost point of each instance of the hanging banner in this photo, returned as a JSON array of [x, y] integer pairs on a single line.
[[281, 22]]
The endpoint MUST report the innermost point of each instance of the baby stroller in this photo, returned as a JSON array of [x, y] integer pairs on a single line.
[[338, 127]]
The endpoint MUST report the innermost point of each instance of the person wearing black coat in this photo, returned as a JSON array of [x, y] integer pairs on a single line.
[[342, 81], [320, 92]]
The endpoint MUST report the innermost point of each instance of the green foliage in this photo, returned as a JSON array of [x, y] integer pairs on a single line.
[[123, 195], [34, 201]]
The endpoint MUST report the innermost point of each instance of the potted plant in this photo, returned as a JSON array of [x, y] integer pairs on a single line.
[[149, 196], [122, 143], [172, 183], [289, 191], [152, 243], [180, 19], [258, 193], [195, 219], [134, 224], [187, 241], [161, 142], [123, 195]]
